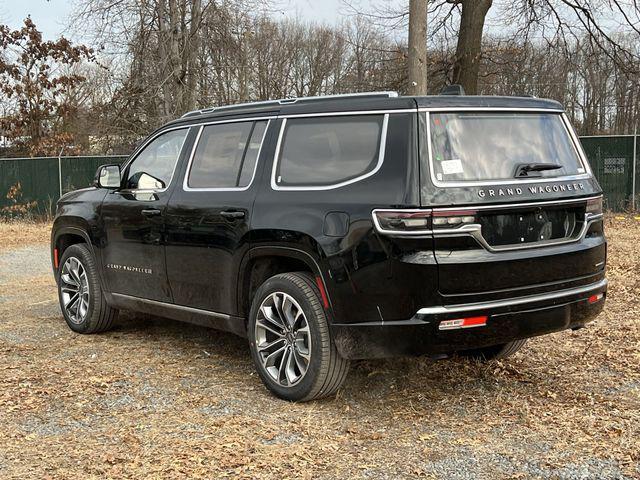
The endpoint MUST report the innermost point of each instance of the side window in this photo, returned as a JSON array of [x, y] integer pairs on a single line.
[[154, 165], [226, 155], [324, 151]]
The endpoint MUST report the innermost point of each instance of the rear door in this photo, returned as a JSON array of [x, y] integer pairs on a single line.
[[209, 214], [515, 208]]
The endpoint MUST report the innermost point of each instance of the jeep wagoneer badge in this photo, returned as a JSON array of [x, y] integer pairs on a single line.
[[533, 189]]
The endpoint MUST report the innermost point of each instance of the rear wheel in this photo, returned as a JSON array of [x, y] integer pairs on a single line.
[[503, 350], [81, 297], [290, 342]]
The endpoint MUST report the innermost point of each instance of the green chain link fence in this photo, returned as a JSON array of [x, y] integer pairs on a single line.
[[42, 180], [614, 161]]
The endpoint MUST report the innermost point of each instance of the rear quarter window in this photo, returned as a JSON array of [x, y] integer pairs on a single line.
[[321, 152]]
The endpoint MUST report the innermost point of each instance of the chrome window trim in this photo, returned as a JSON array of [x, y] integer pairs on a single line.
[[489, 109], [139, 150], [600, 136], [381, 153], [577, 145], [185, 181], [487, 183], [470, 307], [347, 112]]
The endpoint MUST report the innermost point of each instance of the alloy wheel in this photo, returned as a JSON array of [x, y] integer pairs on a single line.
[[283, 339], [74, 289]]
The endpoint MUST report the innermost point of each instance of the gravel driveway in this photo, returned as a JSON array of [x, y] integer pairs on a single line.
[[158, 399]]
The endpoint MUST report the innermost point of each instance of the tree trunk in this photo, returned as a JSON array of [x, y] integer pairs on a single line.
[[177, 81], [417, 47], [163, 54], [469, 48], [192, 55]]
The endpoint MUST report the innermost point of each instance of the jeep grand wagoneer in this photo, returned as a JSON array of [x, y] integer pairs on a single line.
[[336, 228]]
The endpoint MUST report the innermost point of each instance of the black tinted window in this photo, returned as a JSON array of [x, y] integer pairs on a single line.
[[473, 146], [328, 150], [154, 165], [218, 156]]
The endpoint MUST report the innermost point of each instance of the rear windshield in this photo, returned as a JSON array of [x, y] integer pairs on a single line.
[[485, 146]]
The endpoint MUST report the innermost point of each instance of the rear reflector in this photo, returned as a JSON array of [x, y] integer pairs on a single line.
[[468, 322], [323, 293], [55, 258], [595, 298]]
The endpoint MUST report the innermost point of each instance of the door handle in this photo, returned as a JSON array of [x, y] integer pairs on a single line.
[[232, 214], [151, 212]]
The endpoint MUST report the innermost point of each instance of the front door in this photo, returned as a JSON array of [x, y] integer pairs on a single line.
[[133, 253], [209, 215]]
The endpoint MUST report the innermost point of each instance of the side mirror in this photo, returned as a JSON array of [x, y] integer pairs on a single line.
[[108, 176]]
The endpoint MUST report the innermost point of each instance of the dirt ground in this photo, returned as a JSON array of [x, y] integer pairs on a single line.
[[159, 399]]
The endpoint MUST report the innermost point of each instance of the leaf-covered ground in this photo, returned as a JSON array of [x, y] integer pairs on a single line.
[[159, 399]]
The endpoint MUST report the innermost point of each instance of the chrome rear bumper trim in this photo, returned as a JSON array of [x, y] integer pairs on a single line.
[[470, 307]]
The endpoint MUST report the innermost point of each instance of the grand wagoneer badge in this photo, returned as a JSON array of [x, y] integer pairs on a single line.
[[533, 189]]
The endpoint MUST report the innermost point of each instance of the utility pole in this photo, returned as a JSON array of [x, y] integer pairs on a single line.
[[418, 47]]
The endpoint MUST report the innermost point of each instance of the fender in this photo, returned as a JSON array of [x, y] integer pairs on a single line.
[[57, 232], [281, 251]]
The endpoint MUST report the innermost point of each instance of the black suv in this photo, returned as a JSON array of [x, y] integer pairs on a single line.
[[335, 228]]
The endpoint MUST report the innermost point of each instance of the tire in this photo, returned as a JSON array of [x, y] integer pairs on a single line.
[[494, 352], [90, 312], [285, 295]]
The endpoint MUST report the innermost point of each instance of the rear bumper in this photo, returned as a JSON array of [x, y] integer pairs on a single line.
[[508, 319]]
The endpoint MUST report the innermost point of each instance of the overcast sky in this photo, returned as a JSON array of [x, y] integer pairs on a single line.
[[51, 15]]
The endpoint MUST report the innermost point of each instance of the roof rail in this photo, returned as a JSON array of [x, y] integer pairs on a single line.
[[289, 101]]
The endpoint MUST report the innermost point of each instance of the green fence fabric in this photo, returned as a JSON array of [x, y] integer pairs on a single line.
[[611, 159], [39, 180]]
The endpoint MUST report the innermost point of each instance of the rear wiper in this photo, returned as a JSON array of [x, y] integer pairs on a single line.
[[524, 168]]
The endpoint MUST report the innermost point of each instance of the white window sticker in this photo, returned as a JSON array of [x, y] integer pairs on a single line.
[[449, 167]]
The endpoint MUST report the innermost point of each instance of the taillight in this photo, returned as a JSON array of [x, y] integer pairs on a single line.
[[453, 218], [594, 206], [402, 221]]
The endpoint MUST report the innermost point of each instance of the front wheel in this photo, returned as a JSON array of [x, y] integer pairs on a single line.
[[81, 298], [290, 341]]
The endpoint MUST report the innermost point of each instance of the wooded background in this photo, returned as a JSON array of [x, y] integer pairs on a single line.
[[148, 61]]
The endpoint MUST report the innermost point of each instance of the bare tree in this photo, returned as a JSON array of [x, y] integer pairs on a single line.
[[469, 47]]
